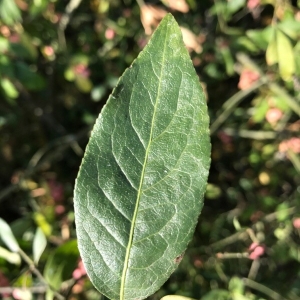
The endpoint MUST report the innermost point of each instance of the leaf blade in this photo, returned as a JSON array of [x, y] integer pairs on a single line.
[[138, 173]]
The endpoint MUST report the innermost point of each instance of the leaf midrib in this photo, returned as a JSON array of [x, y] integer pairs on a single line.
[[130, 241]]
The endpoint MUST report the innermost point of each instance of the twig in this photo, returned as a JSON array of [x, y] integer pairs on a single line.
[[231, 103], [140, 3], [263, 289], [227, 255], [254, 269], [35, 162], [64, 21], [251, 134], [272, 216], [240, 235], [274, 87], [35, 271], [294, 159], [34, 289]]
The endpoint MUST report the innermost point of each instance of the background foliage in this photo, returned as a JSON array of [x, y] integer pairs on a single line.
[[59, 61]]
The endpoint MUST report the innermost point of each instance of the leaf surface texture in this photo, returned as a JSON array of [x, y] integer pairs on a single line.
[[140, 187]]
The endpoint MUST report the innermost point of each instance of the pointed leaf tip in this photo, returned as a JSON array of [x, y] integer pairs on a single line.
[[140, 187]]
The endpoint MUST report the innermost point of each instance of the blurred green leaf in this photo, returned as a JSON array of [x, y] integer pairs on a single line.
[[261, 37], [295, 252], [234, 5], [228, 59], [217, 294], [29, 78], [4, 45], [290, 27], [98, 92], [212, 191], [39, 245], [213, 70], [42, 223], [9, 12], [61, 263], [37, 7], [236, 285], [9, 89], [11, 257], [261, 107], [285, 54], [8, 237], [176, 297], [6, 67], [282, 211], [84, 84], [272, 51]]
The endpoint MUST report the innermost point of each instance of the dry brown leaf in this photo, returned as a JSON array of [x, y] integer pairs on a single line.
[[151, 15], [179, 5], [190, 40]]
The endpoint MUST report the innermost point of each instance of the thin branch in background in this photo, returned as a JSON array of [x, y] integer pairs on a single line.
[[232, 102], [251, 134], [273, 216], [35, 271], [230, 105], [34, 289], [294, 159], [226, 255], [64, 21], [220, 272], [263, 289], [140, 3], [274, 87], [254, 269], [45, 155], [240, 235]]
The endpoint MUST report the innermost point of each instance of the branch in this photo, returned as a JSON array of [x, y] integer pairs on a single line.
[[64, 21]]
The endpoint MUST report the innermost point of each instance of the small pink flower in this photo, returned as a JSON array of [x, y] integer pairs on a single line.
[[253, 246], [59, 209], [81, 267], [5, 31], [273, 115], [14, 38], [79, 271], [251, 4], [82, 70], [110, 33], [257, 251], [292, 144], [296, 223], [247, 77], [56, 190], [76, 274], [224, 137], [48, 50]]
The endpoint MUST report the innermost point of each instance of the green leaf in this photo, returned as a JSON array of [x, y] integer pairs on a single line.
[[29, 78], [12, 257], [286, 60], [39, 244], [217, 294], [141, 183], [261, 37], [176, 297], [61, 263], [272, 53], [9, 12], [8, 237], [9, 89], [291, 28]]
